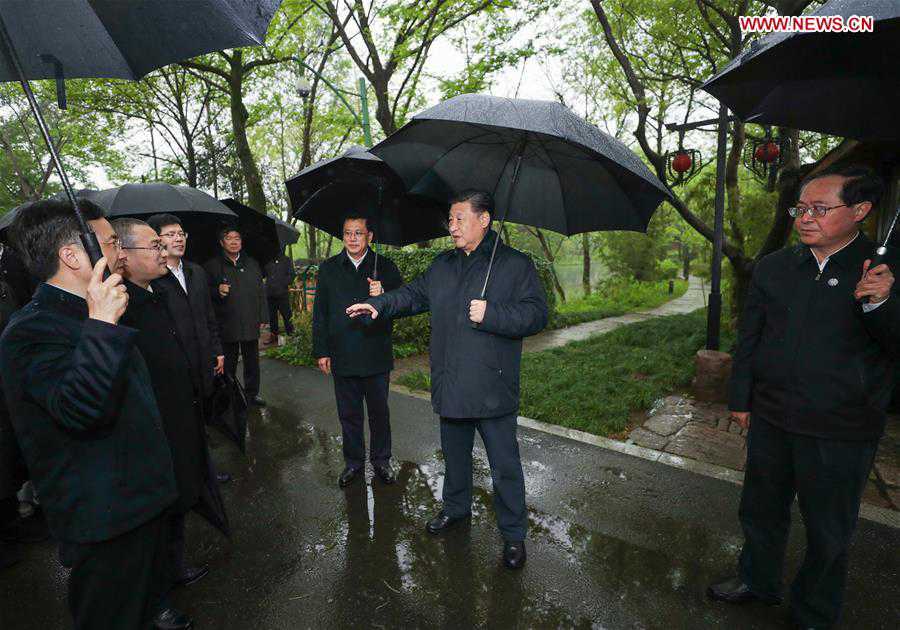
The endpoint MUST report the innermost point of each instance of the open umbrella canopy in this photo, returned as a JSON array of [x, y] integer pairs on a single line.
[[358, 181], [116, 39], [202, 215], [569, 176], [259, 232], [843, 84], [287, 233]]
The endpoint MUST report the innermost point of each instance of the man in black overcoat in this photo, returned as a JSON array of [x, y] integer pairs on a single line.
[[239, 297], [359, 357], [280, 274], [476, 350], [178, 392], [86, 419], [812, 377]]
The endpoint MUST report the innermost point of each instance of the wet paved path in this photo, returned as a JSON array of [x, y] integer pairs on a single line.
[[615, 541], [692, 299]]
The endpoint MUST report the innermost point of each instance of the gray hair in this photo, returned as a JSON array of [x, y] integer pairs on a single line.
[[124, 228]]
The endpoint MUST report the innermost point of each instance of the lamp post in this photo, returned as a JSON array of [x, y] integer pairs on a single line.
[[714, 309], [362, 118]]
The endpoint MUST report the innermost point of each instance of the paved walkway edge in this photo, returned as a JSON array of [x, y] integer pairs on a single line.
[[888, 518]]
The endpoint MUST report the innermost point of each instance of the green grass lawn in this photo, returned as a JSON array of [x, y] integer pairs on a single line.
[[594, 385], [616, 297]]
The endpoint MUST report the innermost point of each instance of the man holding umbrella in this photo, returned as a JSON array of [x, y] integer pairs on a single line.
[[476, 348], [812, 378], [238, 293], [359, 357]]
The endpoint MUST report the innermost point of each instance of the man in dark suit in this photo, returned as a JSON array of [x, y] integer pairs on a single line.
[[86, 419], [239, 297], [359, 357], [178, 390], [280, 274], [476, 349], [814, 366]]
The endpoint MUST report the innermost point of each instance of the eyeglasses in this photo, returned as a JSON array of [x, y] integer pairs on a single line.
[[816, 212], [354, 234], [178, 234], [160, 247]]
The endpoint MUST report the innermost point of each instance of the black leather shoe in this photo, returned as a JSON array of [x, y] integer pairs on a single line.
[[258, 401], [514, 555], [223, 477], [441, 523], [191, 575], [734, 591], [348, 476], [384, 472], [171, 619]]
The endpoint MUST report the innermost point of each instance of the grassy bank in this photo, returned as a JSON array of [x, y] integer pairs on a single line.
[[614, 297], [594, 385]]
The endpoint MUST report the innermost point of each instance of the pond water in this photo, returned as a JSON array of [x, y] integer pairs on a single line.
[[569, 274]]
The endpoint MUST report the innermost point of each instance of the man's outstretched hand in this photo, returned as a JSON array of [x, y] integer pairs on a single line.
[[356, 310]]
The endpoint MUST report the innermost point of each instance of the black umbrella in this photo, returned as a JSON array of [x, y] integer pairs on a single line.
[[843, 84], [259, 232], [287, 233], [201, 215], [358, 181], [545, 166], [65, 39]]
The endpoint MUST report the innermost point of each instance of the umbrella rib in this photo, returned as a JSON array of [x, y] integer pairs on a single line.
[[500, 177]]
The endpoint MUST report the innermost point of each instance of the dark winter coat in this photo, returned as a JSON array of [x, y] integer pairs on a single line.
[[356, 347], [179, 401], [195, 321], [85, 416], [808, 359], [474, 368], [280, 273], [241, 312]]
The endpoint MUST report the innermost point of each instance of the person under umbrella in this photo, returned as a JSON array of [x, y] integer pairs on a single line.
[[178, 389], [86, 418], [476, 349], [359, 357], [812, 378], [239, 298], [279, 273]]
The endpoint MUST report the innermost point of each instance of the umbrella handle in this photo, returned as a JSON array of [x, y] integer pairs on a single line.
[[88, 238], [512, 185]]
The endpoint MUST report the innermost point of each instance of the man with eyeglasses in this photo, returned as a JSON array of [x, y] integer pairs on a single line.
[[178, 393], [359, 357], [87, 421], [812, 377], [239, 300]]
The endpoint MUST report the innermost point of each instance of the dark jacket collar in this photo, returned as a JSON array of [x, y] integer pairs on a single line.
[[367, 261], [61, 301], [242, 258], [140, 296], [484, 247], [845, 258]]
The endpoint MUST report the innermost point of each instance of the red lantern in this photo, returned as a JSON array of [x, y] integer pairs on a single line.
[[767, 152], [681, 163]]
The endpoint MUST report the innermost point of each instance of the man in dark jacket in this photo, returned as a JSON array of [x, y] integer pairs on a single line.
[[360, 357], [280, 274], [239, 297], [178, 390], [814, 365], [86, 419], [476, 348]]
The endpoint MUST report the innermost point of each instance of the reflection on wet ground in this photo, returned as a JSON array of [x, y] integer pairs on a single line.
[[613, 542]]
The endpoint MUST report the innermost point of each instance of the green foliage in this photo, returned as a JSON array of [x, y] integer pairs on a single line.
[[617, 296], [594, 385], [417, 380], [299, 347]]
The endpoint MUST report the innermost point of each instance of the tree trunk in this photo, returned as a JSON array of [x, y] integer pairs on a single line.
[[383, 113], [548, 254], [586, 263], [256, 196]]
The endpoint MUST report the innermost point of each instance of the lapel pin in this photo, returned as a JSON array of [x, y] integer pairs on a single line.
[[833, 282]]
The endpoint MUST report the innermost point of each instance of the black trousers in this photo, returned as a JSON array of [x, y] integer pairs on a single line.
[[280, 304], [249, 351], [350, 392], [175, 544], [118, 583], [499, 437], [828, 478]]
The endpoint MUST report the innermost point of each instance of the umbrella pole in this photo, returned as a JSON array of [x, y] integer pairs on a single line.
[[512, 186], [881, 251], [88, 238]]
